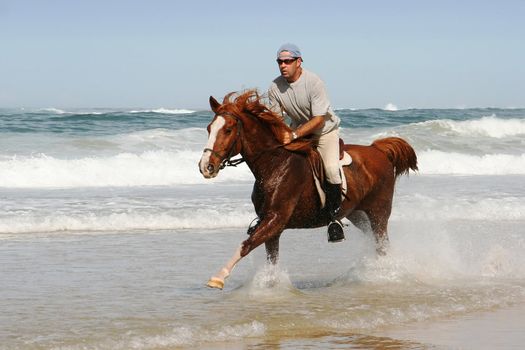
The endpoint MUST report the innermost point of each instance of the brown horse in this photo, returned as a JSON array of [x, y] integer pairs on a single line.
[[284, 194]]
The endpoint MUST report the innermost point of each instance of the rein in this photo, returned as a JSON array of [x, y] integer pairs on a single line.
[[226, 161]]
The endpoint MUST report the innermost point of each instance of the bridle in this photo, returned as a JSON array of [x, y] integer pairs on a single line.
[[226, 160]]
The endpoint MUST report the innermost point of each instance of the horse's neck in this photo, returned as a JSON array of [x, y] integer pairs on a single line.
[[258, 145], [266, 160]]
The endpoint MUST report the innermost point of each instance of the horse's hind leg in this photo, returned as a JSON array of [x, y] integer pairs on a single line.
[[379, 223], [372, 222], [272, 245], [360, 220]]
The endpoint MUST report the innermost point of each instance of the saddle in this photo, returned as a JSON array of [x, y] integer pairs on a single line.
[[316, 164]]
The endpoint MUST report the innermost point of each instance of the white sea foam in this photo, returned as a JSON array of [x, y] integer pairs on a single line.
[[191, 336], [166, 139], [178, 336], [270, 283], [489, 126], [160, 110], [430, 208], [88, 112], [52, 110], [441, 252], [66, 113], [150, 168], [453, 163], [164, 111], [166, 168], [95, 215], [128, 220], [390, 107]]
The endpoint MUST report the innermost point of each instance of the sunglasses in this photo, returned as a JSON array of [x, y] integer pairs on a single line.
[[286, 61]]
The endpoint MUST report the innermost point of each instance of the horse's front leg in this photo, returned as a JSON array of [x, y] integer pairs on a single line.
[[269, 228], [272, 249]]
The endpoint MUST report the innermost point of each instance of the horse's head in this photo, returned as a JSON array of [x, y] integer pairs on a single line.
[[243, 123], [223, 140]]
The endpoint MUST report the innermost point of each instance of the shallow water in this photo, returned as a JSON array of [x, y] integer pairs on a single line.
[[145, 289]]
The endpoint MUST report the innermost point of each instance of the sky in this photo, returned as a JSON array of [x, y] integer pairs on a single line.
[[175, 54]]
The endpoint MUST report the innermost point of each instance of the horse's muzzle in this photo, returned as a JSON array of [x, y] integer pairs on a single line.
[[207, 169]]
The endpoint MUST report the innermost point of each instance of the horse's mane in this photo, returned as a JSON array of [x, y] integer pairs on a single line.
[[250, 102]]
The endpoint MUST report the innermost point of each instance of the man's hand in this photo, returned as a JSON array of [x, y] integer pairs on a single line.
[[287, 137], [314, 124], [311, 126]]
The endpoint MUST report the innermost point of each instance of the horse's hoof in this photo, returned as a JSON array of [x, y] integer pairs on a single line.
[[381, 251], [215, 282]]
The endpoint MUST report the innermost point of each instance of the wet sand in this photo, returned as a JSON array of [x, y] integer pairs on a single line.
[[497, 329]]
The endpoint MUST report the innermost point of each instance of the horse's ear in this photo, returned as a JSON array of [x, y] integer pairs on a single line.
[[214, 104]]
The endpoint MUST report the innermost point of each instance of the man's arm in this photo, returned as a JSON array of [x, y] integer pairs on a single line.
[[274, 105], [306, 129]]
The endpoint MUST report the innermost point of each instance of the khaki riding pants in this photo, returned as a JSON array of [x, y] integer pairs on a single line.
[[328, 146]]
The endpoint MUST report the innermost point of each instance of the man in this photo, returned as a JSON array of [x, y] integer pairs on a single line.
[[301, 95]]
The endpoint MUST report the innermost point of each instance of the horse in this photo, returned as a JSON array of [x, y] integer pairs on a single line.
[[284, 193]]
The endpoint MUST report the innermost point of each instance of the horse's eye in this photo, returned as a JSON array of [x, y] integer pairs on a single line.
[[228, 130]]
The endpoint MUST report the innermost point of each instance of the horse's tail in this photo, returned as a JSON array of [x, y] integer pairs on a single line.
[[399, 152]]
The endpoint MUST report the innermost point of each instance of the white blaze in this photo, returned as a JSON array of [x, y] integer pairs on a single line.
[[214, 129]]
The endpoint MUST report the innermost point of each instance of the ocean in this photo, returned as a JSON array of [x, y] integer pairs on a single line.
[[109, 233]]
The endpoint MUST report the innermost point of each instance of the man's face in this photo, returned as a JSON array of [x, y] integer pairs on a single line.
[[289, 66]]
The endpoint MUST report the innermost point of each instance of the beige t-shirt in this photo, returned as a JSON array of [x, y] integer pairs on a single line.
[[302, 100]]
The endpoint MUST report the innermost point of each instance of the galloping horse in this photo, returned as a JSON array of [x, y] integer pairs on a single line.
[[284, 194]]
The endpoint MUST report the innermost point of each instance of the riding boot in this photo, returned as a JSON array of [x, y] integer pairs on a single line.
[[333, 203]]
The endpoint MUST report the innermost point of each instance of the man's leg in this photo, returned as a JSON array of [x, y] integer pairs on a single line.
[[329, 149]]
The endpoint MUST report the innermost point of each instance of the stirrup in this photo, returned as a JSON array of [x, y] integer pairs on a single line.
[[335, 232]]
